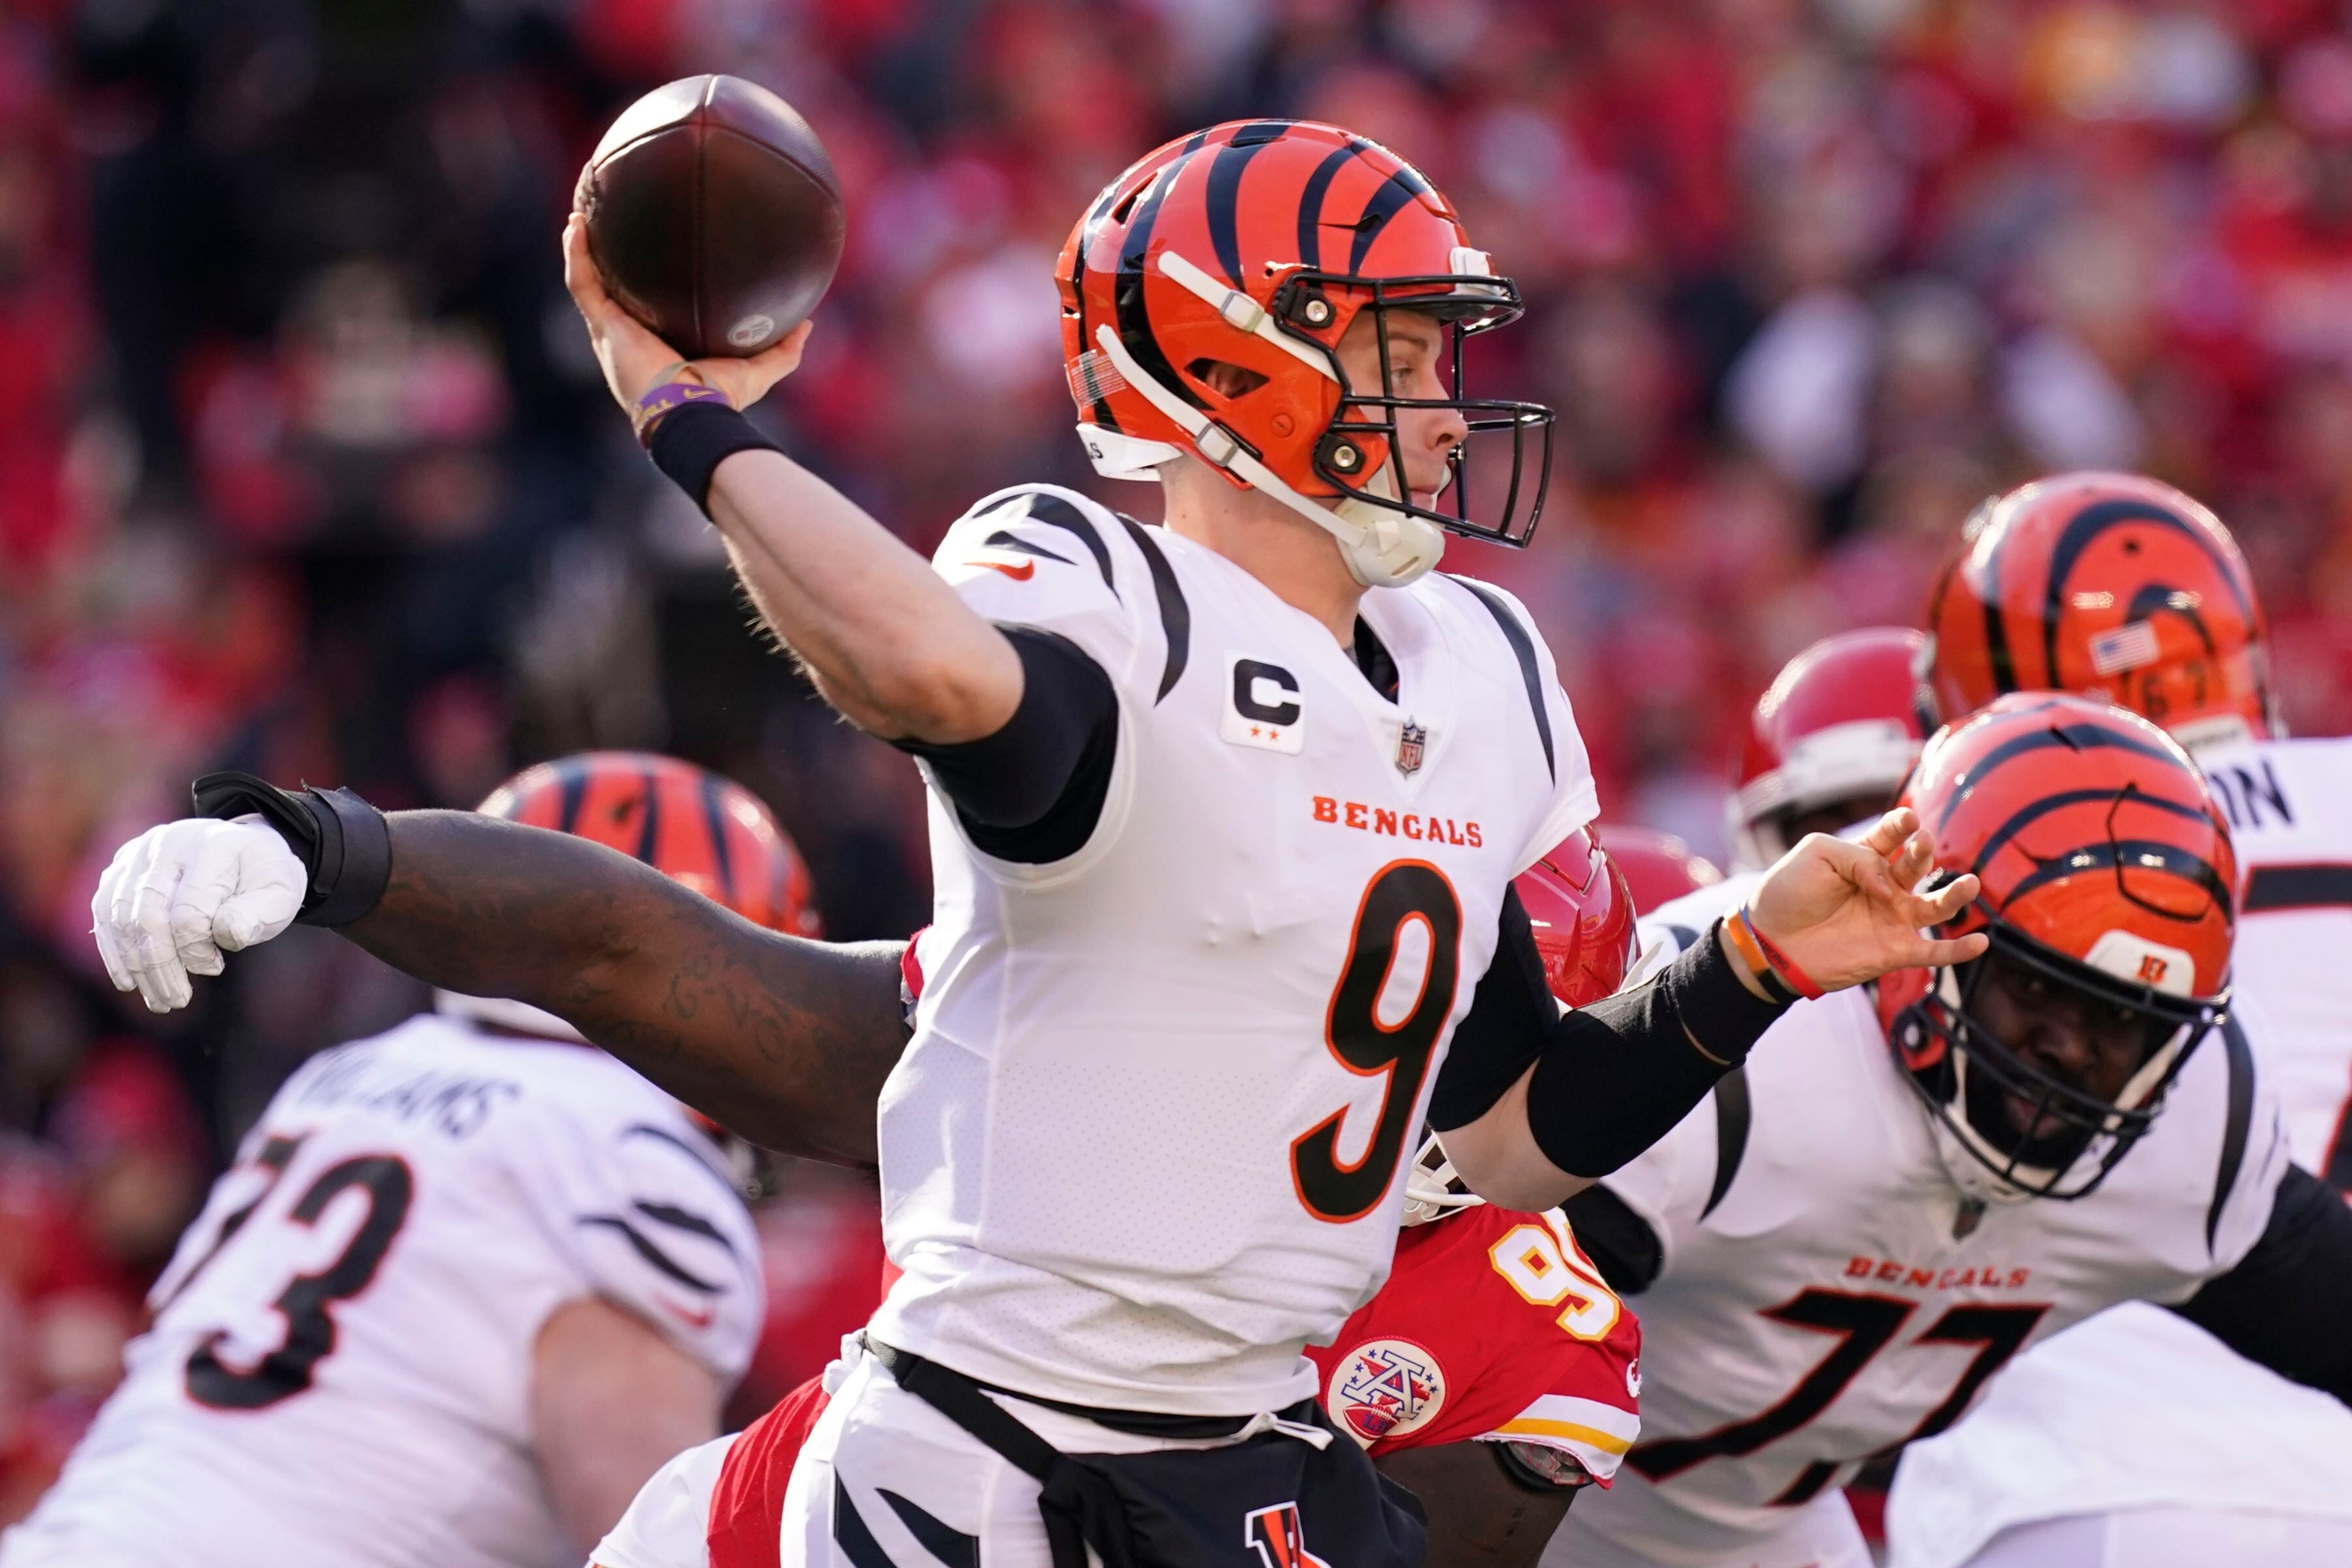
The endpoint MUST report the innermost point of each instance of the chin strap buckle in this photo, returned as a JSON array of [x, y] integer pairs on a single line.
[[1218, 444], [1241, 312]]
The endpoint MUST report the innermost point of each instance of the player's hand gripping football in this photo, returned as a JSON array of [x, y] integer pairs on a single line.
[[1845, 913], [178, 897], [636, 361]]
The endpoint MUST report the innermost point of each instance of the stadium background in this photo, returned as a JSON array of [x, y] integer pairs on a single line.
[[304, 467]]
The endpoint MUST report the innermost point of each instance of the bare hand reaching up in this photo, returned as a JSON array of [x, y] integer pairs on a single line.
[[1846, 912]]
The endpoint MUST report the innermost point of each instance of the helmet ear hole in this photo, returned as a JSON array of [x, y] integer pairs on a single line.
[[1225, 379]]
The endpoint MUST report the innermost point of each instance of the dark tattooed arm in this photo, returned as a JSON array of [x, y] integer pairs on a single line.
[[784, 1041]]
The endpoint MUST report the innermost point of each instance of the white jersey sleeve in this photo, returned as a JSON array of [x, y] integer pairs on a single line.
[[2244, 1197], [668, 1523], [1575, 798], [651, 1221], [1037, 555]]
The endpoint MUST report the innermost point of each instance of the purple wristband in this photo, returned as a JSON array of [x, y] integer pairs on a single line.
[[665, 397]]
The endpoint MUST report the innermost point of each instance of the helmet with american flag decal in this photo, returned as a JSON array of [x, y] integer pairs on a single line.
[[1204, 293]]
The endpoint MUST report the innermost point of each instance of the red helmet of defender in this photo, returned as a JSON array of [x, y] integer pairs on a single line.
[[1833, 738], [1581, 912], [1659, 867]]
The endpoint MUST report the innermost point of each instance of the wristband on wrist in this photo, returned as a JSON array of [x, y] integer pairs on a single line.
[[688, 441], [344, 843], [665, 397], [1772, 965]]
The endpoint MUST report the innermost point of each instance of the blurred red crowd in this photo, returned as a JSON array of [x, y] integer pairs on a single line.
[[303, 466]]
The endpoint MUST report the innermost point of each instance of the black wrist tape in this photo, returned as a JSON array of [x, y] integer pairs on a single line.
[[344, 843], [689, 442], [1615, 1077]]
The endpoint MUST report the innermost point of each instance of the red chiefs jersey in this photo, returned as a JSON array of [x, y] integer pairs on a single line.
[[1494, 1326], [745, 1525]]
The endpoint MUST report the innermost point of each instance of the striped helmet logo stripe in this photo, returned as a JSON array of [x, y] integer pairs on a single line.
[[2058, 802], [2144, 855], [1225, 187], [572, 779], [1310, 205], [2043, 737], [2083, 529], [714, 817], [649, 830], [1134, 319], [1401, 187], [1103, 414]]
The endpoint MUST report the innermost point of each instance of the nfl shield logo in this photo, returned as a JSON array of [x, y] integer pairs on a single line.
[[1410, 741]]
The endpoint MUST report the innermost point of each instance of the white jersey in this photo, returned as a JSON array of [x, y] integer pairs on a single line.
[[1824, 1294], [2078, 1427], [339, 1370], [1148, 1138]]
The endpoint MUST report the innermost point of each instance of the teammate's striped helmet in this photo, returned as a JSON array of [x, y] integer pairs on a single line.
[[1253, 247], [1838, 728], [685, 822], [2112, 585], [2108, 878]]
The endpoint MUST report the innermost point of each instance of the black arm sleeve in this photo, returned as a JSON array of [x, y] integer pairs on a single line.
[[1499, 1037], [1034, 790], [2284, 1305], [1619, 1241], [1612, 1077]]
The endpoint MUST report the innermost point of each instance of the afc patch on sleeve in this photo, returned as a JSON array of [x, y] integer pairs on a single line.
[[1262, 707], [1385, 1388]]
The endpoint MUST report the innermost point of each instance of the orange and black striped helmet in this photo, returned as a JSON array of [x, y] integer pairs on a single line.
[[685, 822], [2108, 879], [2113, 585], [1253, 245]]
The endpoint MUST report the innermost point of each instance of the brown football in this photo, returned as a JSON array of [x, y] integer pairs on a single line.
[[713, 216]]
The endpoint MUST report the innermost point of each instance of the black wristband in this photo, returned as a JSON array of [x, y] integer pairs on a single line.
[[345, 843], [1615, 1077], [688, 444]]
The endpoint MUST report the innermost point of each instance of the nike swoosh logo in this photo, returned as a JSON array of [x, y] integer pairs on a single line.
[[694, 1320], [1021, 573]]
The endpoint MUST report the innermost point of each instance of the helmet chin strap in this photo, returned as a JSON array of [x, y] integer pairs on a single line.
[[1382, 548]]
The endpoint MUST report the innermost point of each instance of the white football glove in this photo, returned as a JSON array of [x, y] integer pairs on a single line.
[[176, 896]]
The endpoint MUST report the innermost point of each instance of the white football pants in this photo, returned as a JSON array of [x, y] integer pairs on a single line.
[[1631, 1525], [883, 1466], [2171, 1537]]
